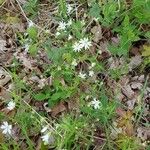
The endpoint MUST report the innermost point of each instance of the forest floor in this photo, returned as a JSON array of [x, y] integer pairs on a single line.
[[74, 75]]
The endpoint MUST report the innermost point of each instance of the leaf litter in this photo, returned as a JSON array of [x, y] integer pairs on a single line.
[[129, 86]]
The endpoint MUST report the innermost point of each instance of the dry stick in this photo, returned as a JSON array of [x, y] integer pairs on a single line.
[[2, 4], [28, 20]]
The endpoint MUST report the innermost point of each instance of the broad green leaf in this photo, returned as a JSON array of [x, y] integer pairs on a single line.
[[95, 11], [55, 54], [40, 97]]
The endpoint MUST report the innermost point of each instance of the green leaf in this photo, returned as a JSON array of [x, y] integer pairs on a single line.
[[58, 95], [33, 49], [55, 54], [40, 96], [33, 32], [95, 11], [147, 34], [77, 29]]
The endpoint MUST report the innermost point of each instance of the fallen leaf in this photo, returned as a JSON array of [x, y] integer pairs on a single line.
[[120, 112], [97, 31], [129, 128], [4, 94], [2, 45], [136, 85], [4, 77], [58, 109], [135, 62], [131, 104], [128, 92], [141, 78]]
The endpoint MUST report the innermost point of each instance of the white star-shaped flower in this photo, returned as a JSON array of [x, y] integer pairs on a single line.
[[62, 26], [30, 24], [82, 75], [77, 47], [44, 129], [69, 8], [85, 43], [91, 73], [11, 105], [47, 138], [7, 129], [96, 103]]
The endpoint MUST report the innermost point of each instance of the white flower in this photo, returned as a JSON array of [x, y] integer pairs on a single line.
[[96, 103], [93, 64], [47, 138], [44, 129], [11, 105], [69, 37], [69, 23], [74, 63], [30, 24], [77, 47], [82, 75], [7, 129], [26, 47], [100, 52], [62, 26], [85, 43], [69, 8], [91, 73], [57, 33]]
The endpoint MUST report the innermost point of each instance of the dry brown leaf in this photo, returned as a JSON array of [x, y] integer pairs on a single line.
[[58, 109], [135, 62], [136, 85], [141, 78], [129, 128], [131, 104], [120, 112], [97, 31], [4, 94], [4, 77], [2, 45], [128, 92]]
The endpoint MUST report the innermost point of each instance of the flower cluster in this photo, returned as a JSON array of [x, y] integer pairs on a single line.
[[62, 26], [82, 44]]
